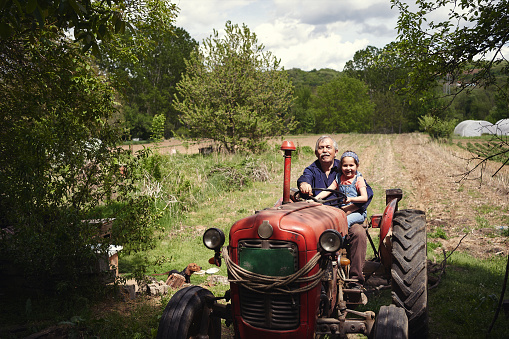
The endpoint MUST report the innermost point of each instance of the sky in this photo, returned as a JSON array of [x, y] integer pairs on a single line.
[[305, 34]]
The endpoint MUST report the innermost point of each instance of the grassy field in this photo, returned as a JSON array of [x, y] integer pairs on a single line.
[[473, 276], [194, 192]]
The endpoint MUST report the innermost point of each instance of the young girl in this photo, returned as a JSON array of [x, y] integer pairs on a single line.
[[352, 185]]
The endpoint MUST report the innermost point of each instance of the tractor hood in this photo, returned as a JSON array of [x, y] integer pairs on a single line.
[[300, 222]]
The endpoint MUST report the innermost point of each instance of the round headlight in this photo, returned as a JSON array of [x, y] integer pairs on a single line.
[[331, 241], [213, 238]]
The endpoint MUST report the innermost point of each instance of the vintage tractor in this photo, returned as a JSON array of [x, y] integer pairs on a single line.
[[289, 275]]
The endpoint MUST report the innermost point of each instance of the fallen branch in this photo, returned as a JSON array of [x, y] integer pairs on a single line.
[[443, 264]]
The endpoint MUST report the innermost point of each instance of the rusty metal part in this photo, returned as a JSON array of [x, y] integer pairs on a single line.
[[288, 147], [394, 193], [342, 326]]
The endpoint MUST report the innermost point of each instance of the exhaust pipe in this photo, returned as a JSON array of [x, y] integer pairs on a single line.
[[288, 147]]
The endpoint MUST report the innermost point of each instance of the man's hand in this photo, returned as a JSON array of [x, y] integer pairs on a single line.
[[305, 188]]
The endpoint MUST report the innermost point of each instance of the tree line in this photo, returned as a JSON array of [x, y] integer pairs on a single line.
[[370, 95]]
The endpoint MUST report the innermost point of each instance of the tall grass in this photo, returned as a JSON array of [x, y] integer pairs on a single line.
[[194, 192]]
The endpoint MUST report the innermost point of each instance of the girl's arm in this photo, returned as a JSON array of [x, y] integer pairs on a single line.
[[349, 208], [325, 194], [362, 197]]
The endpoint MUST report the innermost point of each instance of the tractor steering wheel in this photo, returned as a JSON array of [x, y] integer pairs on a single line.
[[335, 201]]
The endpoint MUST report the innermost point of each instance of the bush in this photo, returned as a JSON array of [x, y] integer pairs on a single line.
[[436, 128]]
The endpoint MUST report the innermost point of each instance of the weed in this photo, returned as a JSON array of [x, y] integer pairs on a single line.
[[438, 233], [487, 209], [481, 222], [474, 193], [433, 246], [307, 150]]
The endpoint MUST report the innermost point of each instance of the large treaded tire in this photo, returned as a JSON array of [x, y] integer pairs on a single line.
[[391, 322], [183, 315], [409, 273]]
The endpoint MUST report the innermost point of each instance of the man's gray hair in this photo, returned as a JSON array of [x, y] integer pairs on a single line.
[[322, 138]]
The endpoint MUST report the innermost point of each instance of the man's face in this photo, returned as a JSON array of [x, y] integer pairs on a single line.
[[326, 152]]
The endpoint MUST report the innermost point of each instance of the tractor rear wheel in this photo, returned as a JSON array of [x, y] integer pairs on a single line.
[[409, 273], [184, 314], [391, 322]]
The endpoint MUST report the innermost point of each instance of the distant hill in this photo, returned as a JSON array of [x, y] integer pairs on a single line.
[[311, 79]]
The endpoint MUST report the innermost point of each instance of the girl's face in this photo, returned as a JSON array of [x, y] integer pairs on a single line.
[[348, 167]]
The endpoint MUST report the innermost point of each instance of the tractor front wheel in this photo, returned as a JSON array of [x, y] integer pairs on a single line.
[[391, 322], [186, 313], [409, 273]]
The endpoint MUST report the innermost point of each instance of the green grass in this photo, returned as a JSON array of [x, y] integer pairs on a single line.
[[463, 305], [438, 232]]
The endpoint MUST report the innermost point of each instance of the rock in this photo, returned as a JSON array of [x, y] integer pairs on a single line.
[[129, 291], [153, 289], [217, 279]]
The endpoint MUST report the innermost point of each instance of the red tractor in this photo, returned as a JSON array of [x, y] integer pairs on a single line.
[[288, 275]]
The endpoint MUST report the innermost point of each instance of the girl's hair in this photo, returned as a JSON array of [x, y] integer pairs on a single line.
[[351, 154]]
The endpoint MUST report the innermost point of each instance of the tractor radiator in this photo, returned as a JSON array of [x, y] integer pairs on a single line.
[[273, 258]]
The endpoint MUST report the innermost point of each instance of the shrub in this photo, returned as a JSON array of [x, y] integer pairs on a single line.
[[438, 129]]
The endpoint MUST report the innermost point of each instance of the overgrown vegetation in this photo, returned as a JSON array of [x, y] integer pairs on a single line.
[[490, 147], [438, 129]]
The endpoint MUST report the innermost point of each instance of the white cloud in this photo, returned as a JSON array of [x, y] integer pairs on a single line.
[[302, 33]]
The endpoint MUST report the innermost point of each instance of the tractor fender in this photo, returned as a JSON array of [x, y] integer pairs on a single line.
[[385, 246], [386, 223]]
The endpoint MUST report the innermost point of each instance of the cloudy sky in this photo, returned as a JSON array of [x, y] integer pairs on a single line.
[[305, 34]]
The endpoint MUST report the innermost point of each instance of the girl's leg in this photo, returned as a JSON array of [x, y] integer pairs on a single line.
[[355, 218]]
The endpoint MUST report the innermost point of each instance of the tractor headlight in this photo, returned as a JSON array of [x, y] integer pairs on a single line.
[[330, 241], [213, 238]]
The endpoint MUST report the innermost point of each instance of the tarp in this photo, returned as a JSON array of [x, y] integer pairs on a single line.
[[474, 128], [502, 127]]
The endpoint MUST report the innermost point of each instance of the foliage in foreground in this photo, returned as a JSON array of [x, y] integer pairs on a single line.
[[471, 36], [58, 164], [90, 20]]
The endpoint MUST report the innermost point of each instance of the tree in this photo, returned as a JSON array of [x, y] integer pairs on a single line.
[[234, 92], [90, 20], [302, 112], [382, 70], [343, 105], [158, 127], [59, 163], [467, 46], [305, 84], [147, 63]]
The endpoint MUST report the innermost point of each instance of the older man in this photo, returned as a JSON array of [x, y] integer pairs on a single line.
[[320, 174]]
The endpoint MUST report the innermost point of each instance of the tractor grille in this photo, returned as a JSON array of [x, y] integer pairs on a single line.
[[276, 312]]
